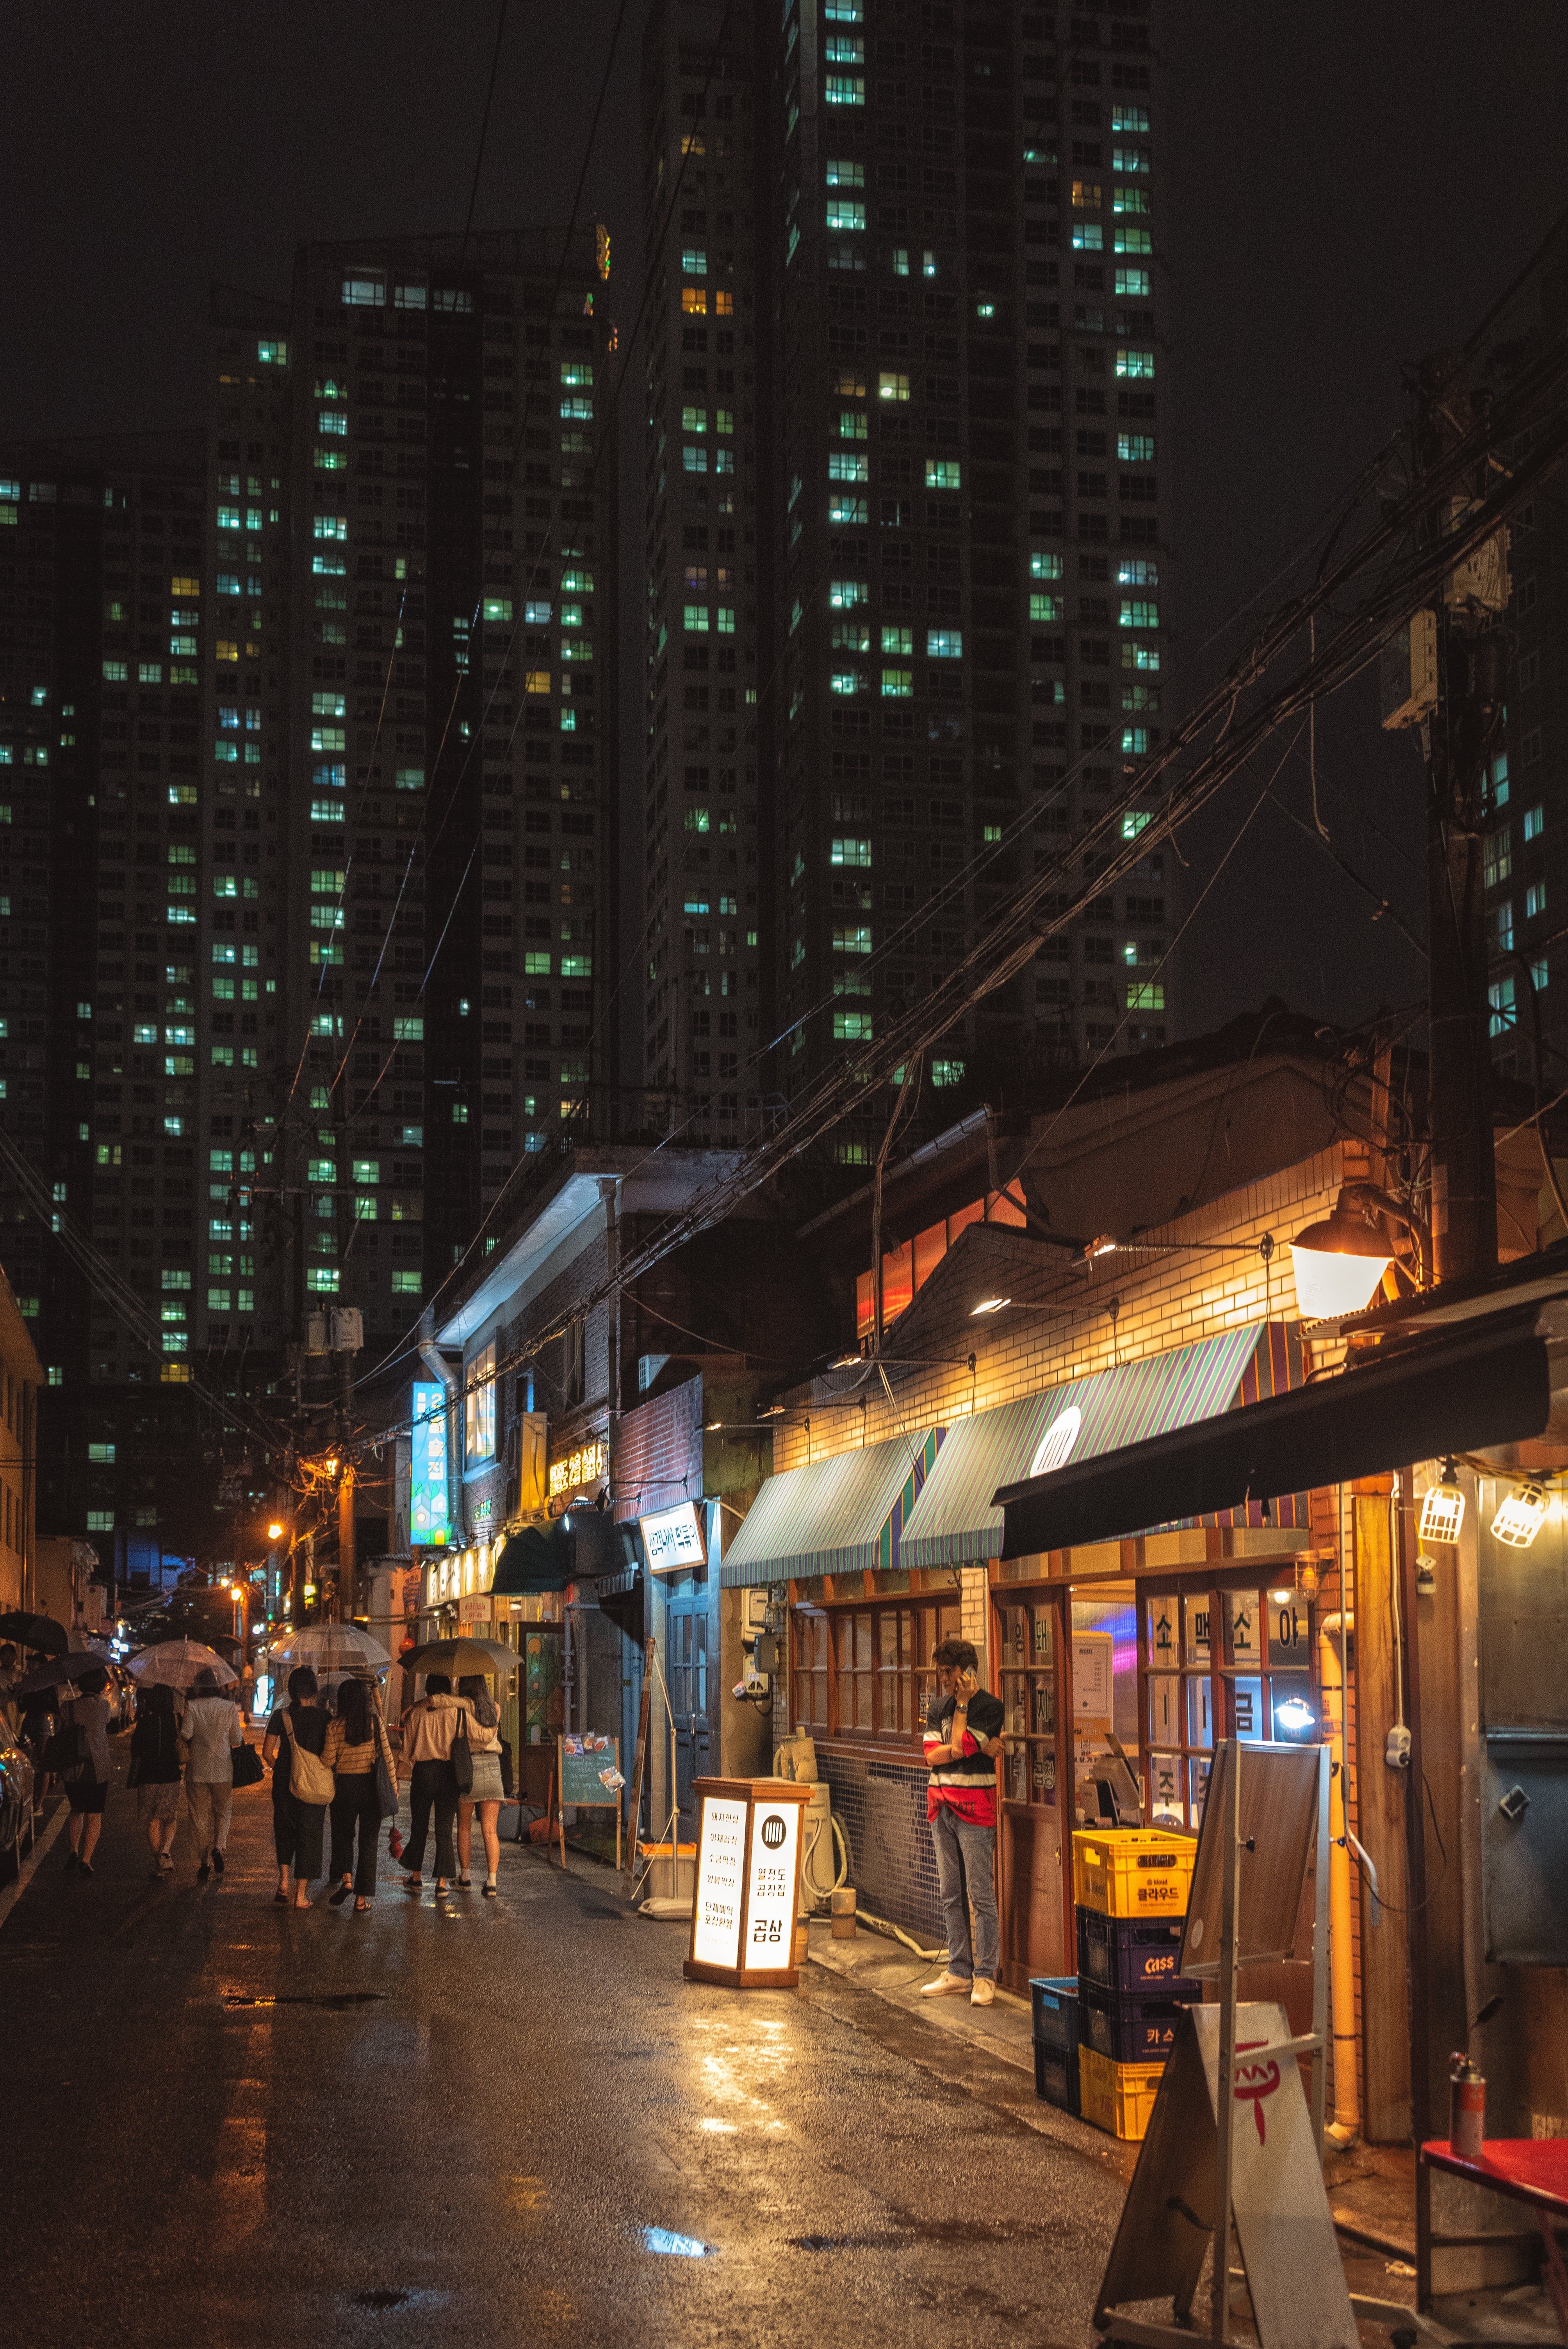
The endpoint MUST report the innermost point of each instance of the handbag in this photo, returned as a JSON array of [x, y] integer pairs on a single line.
[[310, 1780], [248, 1770], [65, 1749], [385, 1783], [462, 1758]]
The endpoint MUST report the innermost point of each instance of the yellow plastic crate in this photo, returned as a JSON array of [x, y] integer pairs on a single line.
[[1133, 1871], [1117, 2097]]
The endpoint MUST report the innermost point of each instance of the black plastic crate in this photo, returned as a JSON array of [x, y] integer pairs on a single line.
[[1131, 1956], [1055, 2003], [1056, 2077], [1127, 2029]]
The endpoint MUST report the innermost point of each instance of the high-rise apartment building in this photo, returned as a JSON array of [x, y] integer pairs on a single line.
[[948, 386], [101, 702], [309, 746], [706, 493]]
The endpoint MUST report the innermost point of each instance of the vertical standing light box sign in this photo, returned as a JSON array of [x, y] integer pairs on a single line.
[[747, 1882], [429, 1522]]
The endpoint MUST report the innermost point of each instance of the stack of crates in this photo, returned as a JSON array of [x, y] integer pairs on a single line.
[[1055, 2003], [1130, 1887]]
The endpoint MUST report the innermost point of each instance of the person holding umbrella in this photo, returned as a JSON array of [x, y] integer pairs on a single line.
[[486, 1792], [300, 1726], [210, 1731], [430, 1730]]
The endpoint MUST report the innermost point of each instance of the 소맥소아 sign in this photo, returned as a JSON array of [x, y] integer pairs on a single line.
[[672, 1539], [720, 1864]]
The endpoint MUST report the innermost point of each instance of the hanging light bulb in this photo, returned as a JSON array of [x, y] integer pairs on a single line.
[[1338, 1262], [1521, 1517], [1443, 1510]]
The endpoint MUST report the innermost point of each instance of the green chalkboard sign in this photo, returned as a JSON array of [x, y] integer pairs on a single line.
[[584, 1759]]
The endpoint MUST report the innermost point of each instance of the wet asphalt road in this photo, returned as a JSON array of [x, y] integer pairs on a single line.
[[229, 2125]]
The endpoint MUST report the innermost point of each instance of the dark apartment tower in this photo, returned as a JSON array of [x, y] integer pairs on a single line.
[[1524, 864], [707, 538], [103, 681], [949, 289], [439, 946]]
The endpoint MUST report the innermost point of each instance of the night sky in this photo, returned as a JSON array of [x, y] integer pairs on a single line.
[[1345, 187]]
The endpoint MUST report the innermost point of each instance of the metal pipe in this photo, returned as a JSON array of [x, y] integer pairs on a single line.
[[1346, 2122]]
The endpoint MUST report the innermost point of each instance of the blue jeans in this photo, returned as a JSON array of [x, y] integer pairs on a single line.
[[964, 1878]]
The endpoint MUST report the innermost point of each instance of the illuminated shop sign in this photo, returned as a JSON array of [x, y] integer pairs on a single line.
[[429, 1523], [587, 1466], [672, 1539]]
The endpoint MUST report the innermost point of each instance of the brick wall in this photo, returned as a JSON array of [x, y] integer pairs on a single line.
[[658, 1452], [881, 1806]]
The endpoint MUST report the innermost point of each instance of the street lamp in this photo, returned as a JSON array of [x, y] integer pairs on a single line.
[[274, 1531], [1339, 1262]]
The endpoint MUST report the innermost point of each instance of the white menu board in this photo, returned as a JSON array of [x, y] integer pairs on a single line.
[[770, 1908], [720, 1863]]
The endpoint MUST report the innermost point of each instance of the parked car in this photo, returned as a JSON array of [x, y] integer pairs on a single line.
[[16, 1827]]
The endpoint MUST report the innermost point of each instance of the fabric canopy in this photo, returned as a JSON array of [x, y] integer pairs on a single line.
[[834, 1517], [956, 1523], [532, 1562], [1458, 1393]]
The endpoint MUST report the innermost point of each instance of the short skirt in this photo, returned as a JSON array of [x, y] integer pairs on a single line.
[[86, 1794], [486, 1786], [158, 1802]]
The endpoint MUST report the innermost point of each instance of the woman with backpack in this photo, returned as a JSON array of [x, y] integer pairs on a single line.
[[295, 1737], [84, 1719], [155, 1772], [487, 1791], [355, 1742]]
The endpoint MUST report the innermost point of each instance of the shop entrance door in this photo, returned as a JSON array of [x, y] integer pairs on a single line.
[[1032, 1843], [688, 1644]]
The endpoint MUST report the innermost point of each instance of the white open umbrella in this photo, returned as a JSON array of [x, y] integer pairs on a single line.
[[328, 1648], [176, 1663]]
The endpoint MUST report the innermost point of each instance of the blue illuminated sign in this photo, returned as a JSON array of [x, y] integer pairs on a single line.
[[429, 1525]]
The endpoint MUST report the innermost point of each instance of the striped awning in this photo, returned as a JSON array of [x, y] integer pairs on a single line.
[[836, 1516], [954, 1522]]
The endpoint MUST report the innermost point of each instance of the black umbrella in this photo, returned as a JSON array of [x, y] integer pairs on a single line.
[[56, 1674], [39, 1631]]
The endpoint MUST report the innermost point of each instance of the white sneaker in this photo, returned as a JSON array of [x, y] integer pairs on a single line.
[[983, 1992], [945, 1986]]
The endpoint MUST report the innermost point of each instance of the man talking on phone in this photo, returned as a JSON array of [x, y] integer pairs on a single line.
[[962, 1739]]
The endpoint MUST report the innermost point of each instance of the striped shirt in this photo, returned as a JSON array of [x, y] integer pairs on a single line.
[[966, 1784]]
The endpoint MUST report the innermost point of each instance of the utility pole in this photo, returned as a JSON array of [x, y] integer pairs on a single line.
[[1456, 677]]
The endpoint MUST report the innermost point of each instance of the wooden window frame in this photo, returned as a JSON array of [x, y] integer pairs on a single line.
[[857, 1596]]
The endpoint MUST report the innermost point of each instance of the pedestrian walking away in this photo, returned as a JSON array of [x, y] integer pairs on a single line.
[[962, 1739], [487, 1792], [355, 1740], [37, 1723], [429, 1730], [84, 1719], [298, 1827], [155, 1770], [210, 1731], [248, 1689]]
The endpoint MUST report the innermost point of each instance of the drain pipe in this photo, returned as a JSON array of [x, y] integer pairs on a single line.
[[1346, 2125], [436, 1362]]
